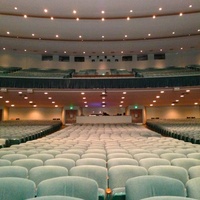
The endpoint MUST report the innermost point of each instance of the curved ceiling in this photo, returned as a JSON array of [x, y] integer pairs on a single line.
[[98, 27]]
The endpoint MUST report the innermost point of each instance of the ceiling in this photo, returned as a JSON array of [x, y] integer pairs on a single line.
[[77, 27], [93, 98], [88, 27]]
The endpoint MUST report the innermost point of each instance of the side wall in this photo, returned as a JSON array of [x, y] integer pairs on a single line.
[[34, 113], [178, 112]]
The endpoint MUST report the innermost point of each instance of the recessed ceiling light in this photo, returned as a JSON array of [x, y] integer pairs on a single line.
[[15, 8], [162, 92], [102, 19], [45, 10], [1, 97], [102, 12], [82, 93], [52, 18], [56, 106], [160, 9], [49, 97], [149, 34], [181, 48], [8, 32], [180, 14], [126, 36], [190, 6], [24, 49], [122, 52], [102, 36], [77, 19], [86, 106], [4, 48], [154, 16], [128, 18], [30, 101], [34, 106], [53, 102], [19, 92], [195, 103], [103, 105], [84, 97], [172, 104], [85, 102], [173, 32], [151, 104], [123, 97], [121, 101], [157, 97], [187, 90], [131, 11], [7, 101], [177, 100], [198, 30], [124, 92], [12, 105], [160, 49], [84, 52], [45, 51], [46, 93], [103, 97], [65, 52], [25, 97], [57, 36], [74, 12], [33, 34], [80, 36], [103, 52], [25, 16], [154, 101], [182, 96], [141, 51]]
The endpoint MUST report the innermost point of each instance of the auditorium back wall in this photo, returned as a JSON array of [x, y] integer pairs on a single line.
[[168, 112], [27, 60]]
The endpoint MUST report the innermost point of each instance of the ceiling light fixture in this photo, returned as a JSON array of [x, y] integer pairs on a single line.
[[25, 16], [45, 10], [52, 18]]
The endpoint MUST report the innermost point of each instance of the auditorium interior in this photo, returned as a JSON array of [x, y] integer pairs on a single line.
[[100, 100]]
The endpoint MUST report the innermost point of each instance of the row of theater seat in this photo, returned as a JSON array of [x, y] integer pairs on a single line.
[[136, 188], [116, 147], [19, 131], [184, 129]]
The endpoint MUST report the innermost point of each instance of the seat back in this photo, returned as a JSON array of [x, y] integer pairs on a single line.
[[41, 173], [185, 162], [13, 171], [16, 188], [147, 186], [118, 175], [170, 171], [194, 172], [97, 173], [73, 186], [63, 162], [192, 187], [121, 161], [91, 161], [149, 162], [28, 163]]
